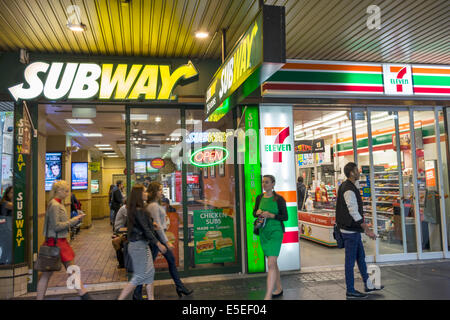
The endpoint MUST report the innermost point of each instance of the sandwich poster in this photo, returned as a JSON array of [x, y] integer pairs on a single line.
[[214, 236]]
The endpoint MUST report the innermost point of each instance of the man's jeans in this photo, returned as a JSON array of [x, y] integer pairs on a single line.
[[170, 258], [354, 251]]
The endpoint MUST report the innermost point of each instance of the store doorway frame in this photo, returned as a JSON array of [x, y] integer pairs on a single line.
[[187, 271], [419, 255]]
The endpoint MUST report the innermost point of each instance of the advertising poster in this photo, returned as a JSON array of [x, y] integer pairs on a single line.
[[53, 169], [79, 175], [214, 236], [172, 236], [140, 167], [94, 186]]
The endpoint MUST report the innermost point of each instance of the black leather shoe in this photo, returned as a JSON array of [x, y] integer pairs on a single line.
[[183, 290], [277, 295], [356, 294], [374, 289]]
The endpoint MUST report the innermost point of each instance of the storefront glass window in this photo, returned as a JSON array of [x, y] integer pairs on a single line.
[[211, 185], [155, 145], [445, 170], [6, 178]]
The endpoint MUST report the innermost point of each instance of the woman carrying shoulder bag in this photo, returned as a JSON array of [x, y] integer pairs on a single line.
[[56, 226], [140, 234], [272, 207]]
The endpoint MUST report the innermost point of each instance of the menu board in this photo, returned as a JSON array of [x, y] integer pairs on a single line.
[[140, 167]]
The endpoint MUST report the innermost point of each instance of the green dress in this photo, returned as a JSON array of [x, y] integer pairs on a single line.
[[271, 236]]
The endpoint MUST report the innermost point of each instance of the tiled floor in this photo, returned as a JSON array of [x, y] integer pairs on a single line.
[[94, 255]]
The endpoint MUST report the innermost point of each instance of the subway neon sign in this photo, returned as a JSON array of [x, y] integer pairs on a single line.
[[106, 81], [209, 156]]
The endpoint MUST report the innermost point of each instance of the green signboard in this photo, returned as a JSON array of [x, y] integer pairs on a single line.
[[260, 52], [214, 236], [252, 174], [22, 146]]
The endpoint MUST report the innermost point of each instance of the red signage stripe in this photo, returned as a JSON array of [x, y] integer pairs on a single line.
[[321, 87], [290, 237], [431, 90]]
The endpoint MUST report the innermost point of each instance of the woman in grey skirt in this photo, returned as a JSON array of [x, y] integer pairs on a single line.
[[140, 234]]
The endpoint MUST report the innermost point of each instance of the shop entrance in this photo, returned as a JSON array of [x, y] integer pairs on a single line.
[[93, 147], [403, 180]]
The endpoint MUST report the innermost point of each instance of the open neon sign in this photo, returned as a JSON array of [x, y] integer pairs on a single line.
[[209, 156]]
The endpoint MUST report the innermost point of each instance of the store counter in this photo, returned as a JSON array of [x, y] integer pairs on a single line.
[[317, 226]]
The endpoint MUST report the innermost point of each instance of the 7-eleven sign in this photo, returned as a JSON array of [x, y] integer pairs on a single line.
[[280, 134], [397, 79]]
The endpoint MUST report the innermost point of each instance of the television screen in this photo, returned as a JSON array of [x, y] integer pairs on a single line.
[[140, 167], [53, 168], [79, 175], [94, 186]]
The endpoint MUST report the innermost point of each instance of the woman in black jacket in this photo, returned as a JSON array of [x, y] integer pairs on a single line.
[[272, 207], [140, 234]]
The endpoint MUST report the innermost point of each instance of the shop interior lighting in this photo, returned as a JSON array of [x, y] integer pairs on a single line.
[[79, 121], [201, 34], [76, 27], [190, 121], [116, 156], [102, 145], [105, 148], [92, 135], [158, 119], [137, 117]]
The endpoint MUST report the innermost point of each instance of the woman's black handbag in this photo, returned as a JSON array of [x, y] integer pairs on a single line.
[[259, 223], [49, 257], [337, 234]]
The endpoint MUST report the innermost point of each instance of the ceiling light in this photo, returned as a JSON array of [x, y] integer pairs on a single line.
[[78, 27], [191, 121], [91, 135], [201, 34], [158, 119], [102, 145], [116, 156], [106, 148], [143, 117], [79, 121]]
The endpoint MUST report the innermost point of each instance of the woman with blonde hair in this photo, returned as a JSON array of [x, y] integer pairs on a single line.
[[140, 234], [56, 229]]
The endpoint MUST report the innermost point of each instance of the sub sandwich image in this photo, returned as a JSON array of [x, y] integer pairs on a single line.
[[205, 245], [224, 243], [213, 235]]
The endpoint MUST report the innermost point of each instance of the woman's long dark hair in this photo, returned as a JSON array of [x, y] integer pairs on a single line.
[[5, 195], [152, 190], [272, 178], [134, 202]]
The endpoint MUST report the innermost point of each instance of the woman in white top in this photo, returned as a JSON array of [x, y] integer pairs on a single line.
[[158, 213]]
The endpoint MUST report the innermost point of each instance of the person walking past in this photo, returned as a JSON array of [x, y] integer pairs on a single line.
[[56, 229], [6, 203], [117, 199], [112, 188], [350, 221], [158, 213], [272, 207], [140, 233], [301, 192]]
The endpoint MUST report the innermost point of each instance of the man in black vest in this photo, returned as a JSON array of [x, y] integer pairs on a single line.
[[350, 220]]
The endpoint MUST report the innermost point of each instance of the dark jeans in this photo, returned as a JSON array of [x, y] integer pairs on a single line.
[[170, 258], [354, 251]]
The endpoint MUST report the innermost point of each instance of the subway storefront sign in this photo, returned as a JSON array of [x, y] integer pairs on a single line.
[[75, 81]]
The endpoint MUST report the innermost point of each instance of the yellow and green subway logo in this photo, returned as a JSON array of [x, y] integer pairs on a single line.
[[105, 82]]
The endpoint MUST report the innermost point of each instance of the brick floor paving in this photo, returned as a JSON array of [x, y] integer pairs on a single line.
[[94, 255]]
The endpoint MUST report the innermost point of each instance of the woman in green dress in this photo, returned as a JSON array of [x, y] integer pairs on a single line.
[[272, 207]]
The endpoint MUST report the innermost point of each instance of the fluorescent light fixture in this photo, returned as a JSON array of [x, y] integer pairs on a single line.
[[137, 117], [116, 156], [79, 121], [106, 148], [201, 34], [78, 27], [102, 145], [158, 119], [92, 135], [190, 121]]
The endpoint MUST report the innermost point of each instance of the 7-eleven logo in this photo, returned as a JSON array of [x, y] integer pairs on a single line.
[[280, 133], [397, 79]]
